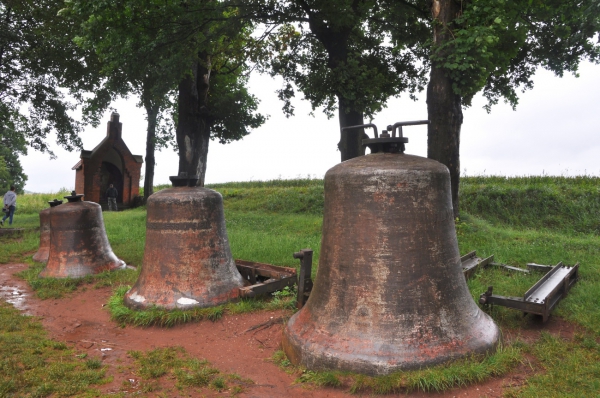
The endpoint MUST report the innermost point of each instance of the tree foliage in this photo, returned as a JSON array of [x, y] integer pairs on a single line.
[[497, 45], [341, 56], [342, 49], [37, 59], [148, 47], [12, 144]]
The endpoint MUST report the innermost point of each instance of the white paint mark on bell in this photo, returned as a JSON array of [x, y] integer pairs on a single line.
[[137, 298], [186, 301]]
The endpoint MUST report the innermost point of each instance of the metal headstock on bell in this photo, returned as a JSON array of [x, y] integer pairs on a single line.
[[184, 180], [74, 197], [385, 142], [55, 202]]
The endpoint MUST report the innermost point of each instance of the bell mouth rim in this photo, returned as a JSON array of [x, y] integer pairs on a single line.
[[322, 354]]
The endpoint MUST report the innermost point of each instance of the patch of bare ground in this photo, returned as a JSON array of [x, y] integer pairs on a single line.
[[240, 344]]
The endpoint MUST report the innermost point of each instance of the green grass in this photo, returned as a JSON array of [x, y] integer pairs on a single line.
[[160, 317], [568, 204], [46, 288], [175, 363], [518, 247], [32, 365], [565, 369], [34, 203], [126, 231], [439, 378], [530, 219]]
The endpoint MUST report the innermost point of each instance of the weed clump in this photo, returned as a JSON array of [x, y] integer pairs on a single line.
[[32, 365], [156, 316], [187, 371]]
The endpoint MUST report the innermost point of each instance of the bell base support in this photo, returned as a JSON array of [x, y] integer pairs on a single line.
[[187, 259], [317, 350], [542, 297]]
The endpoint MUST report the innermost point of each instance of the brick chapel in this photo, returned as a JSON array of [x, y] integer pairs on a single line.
[[110, 162]]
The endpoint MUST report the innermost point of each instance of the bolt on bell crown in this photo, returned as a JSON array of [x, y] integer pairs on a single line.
[[78, 242], [389, 292]]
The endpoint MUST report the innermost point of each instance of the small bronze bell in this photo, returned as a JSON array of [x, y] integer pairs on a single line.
[[187, 258], [41, 256], [78, 242], [389, 292]]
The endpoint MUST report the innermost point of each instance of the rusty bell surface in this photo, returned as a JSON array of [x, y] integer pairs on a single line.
[[389, 293], [41, 256], [187, 259], [78, 242]]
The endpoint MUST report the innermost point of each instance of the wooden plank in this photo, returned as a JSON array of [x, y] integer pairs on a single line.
[[277, 278], [269, 286], [265, 270]]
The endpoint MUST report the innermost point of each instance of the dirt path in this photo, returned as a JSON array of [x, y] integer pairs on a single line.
[[82, 321]]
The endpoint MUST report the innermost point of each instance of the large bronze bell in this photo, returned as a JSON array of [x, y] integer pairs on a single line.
[[78, 242], [187, 259], [41, 256], [389, 293]]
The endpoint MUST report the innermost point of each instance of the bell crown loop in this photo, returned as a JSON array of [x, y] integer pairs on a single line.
[[385, 142]]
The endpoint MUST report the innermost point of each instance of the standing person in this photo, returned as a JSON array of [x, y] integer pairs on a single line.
[[111, 195], [10, 204]]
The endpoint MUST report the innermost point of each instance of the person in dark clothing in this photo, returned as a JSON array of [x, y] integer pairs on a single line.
[[111, 195]]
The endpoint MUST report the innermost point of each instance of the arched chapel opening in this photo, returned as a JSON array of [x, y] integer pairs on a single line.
[[110, 162]]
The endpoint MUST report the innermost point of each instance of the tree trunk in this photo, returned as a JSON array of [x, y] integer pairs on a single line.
[[152, 114], [350, 144], [193, 127], [443, 105]]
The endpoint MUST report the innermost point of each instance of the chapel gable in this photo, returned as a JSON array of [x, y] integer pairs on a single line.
[[110, 162]]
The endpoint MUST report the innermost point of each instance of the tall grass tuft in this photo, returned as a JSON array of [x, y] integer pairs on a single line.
[[46, 288], [31, 203], [156, 316], [445, 377], [175, 362], [461, 373]]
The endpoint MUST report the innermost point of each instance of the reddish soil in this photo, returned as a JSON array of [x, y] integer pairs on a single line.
[[82, 321]]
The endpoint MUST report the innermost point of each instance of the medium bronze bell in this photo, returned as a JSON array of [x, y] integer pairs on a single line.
[[78, 242], [41, 256], [187, 259], [389, 293]]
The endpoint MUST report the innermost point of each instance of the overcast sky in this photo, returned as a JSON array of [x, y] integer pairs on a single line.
[[555, 131]]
